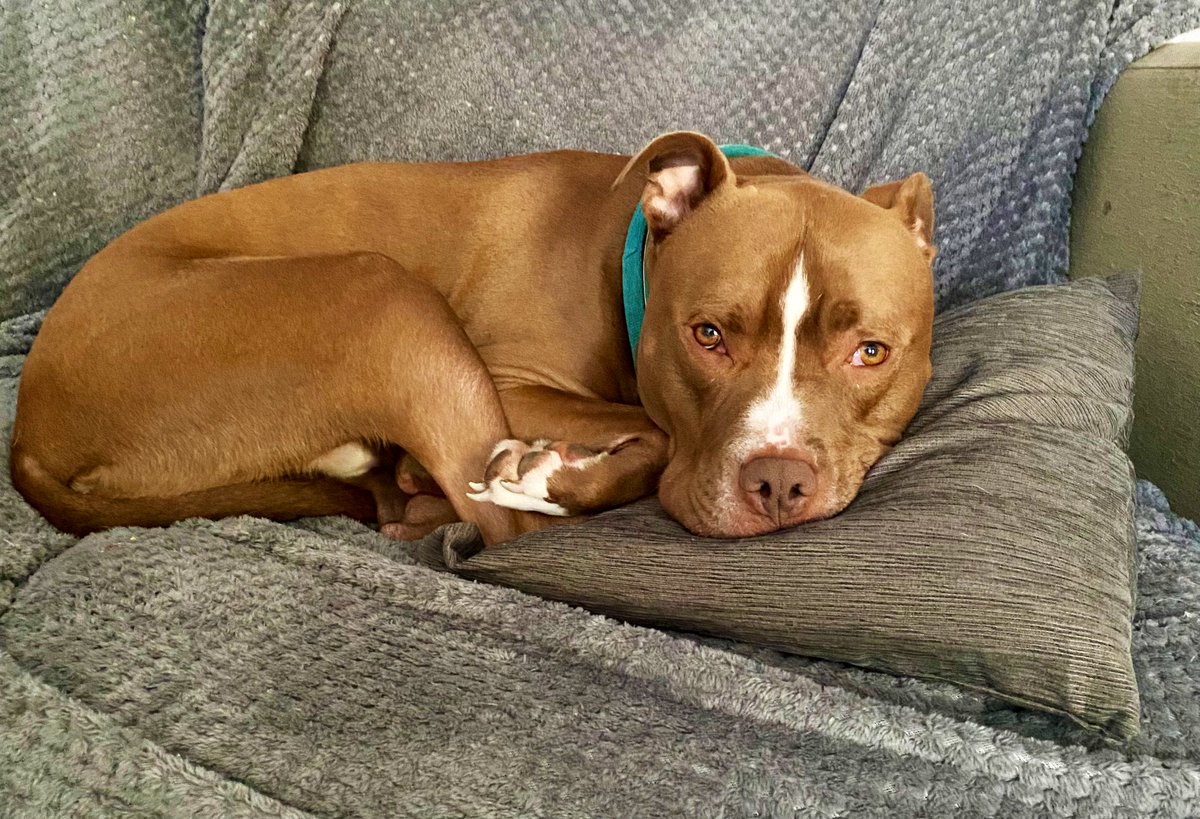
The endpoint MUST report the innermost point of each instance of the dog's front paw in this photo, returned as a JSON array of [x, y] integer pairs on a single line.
[[528, 477]]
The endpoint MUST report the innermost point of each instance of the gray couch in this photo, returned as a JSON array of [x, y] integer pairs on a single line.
[[242, 667]]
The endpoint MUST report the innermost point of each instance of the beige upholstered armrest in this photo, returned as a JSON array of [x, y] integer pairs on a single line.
[[1137, 205]]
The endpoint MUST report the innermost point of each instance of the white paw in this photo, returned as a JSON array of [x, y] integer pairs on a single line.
[[528, 490]]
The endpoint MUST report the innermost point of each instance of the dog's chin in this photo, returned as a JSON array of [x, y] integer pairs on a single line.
[[733, 522]]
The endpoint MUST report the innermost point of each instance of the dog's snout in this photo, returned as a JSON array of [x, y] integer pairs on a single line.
[[778, 487]]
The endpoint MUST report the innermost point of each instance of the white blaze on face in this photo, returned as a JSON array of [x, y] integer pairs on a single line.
[[772, 420]]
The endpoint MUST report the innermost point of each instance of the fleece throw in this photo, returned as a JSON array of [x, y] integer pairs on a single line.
[[249, 668], [116, 109]]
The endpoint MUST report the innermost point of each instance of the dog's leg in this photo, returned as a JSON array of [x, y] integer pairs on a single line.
[[418, 383], [408, 502], [240, 374], [440, 406], [415, 479], [422, 514], [571, 455]]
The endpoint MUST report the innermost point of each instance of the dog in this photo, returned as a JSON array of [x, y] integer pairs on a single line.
[[493, 342]]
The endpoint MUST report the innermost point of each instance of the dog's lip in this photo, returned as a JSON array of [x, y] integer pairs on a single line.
[[746, 525], [770, 528], [749, 524], [740, 533]]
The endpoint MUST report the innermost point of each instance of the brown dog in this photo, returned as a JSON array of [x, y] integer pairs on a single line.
[[357, 339]]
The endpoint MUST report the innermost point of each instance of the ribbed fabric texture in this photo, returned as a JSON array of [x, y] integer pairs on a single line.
[[992, 548]]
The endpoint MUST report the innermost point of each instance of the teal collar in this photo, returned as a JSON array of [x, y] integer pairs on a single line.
[[633, 260]]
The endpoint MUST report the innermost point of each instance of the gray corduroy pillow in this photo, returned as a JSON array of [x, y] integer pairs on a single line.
[[993, 548]]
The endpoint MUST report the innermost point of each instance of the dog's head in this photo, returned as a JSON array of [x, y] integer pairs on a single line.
[[786, 339]]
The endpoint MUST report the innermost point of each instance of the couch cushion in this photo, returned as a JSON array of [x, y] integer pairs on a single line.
[[992, 548], [333, 679]]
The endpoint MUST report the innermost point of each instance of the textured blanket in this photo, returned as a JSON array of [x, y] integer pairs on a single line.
[[249, 668]]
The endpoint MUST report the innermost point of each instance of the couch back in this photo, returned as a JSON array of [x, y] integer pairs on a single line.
[[111, 114]]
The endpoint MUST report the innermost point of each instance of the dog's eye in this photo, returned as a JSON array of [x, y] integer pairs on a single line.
[[707, 335], [870, 354]]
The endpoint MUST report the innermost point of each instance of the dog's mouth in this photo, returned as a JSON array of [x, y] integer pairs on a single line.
[[741, 507], [746, 524]]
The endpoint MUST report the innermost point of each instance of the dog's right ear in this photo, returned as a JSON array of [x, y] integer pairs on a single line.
[[911, 199], [680, 169]]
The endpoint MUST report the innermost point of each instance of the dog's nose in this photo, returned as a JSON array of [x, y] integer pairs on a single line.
[[777, 487]]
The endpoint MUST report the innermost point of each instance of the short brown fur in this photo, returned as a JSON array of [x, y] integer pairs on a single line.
[[198, 364]]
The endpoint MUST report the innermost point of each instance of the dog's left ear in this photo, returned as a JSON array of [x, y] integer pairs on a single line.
[[681, 169], [910, 199]]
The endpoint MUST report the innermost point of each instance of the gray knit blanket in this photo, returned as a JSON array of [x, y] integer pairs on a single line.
[[243, 667]]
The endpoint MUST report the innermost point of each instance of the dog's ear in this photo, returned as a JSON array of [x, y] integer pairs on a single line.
[[910, 199], [680, 169]]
